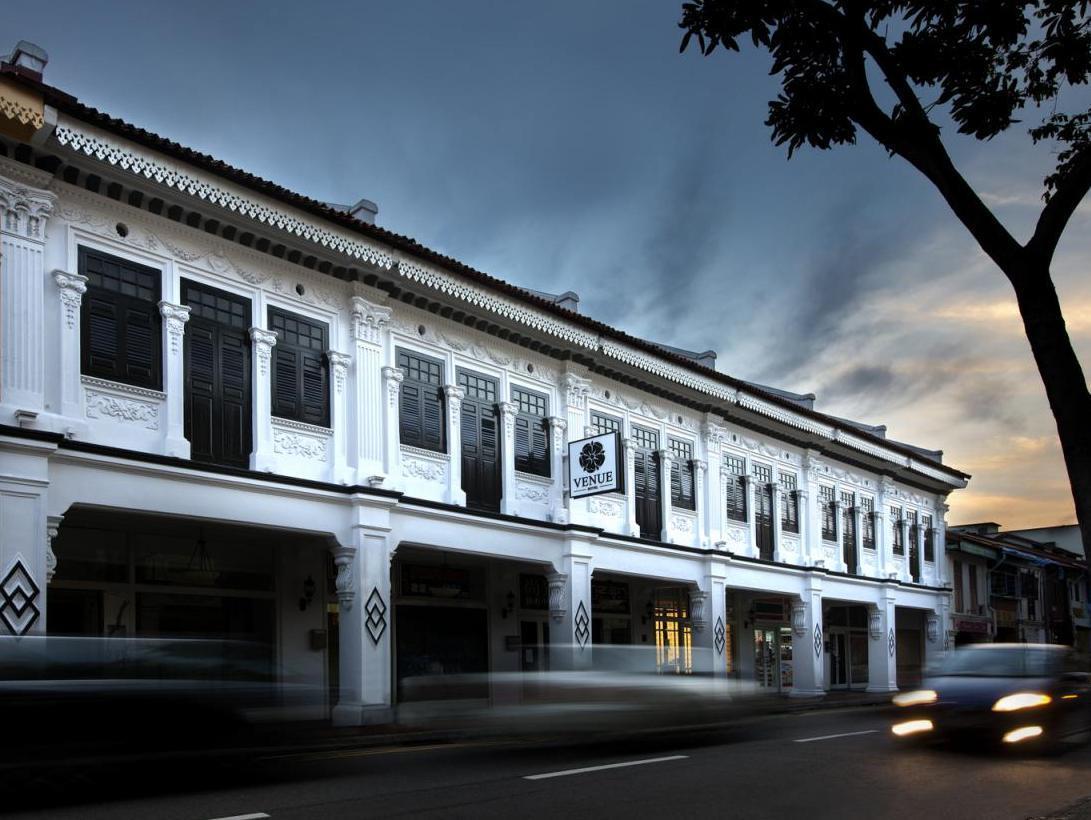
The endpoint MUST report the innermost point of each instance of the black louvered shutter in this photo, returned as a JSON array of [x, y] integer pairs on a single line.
[[315, 392], [682, 493], [235, 369], [489, 461], [411, 415], [539, 448], [200, 389], [100, 336], [523, 458], [142, 343], [432, 419], [285, 383]]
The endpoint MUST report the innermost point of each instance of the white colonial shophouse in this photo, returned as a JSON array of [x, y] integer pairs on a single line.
[[227, 409]]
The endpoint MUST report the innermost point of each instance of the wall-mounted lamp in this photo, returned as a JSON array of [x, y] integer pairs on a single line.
[[309, 588], [509, 599]]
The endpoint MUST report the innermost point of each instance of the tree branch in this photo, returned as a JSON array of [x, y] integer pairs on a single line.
[[1058, 211]]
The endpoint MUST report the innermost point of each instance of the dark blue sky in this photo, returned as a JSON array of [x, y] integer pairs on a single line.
[[568, 145]]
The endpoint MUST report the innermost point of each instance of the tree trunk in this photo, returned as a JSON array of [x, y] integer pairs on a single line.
[[1066, 387]]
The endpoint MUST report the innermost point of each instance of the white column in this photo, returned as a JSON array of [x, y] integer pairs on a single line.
[[752, 489], [262, 458], [630, 489], [940, 540], [882, 644], [937, 638], [576, 390], [713, 499], [839, 534], [25, 539], [665, 506], [392, 449], [903, 524], [883, 556], [803, 505], [920, 547], [340, 472], [365, 622], [174, 328], [774, 489], [710, 629], [71, 287], [808, 641], [558, 511], [700, 499], [507, 459], [455, 395], [570, 608], [369, 417], [811, 545], [857, 537], [23, 214]]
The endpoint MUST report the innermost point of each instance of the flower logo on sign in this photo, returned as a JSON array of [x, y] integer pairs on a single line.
[[592, 456]]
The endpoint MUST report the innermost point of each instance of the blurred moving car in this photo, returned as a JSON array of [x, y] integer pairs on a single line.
[[621, 692], [65, 700], [1036, 695]]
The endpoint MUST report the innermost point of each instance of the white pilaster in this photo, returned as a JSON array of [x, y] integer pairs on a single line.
[[507, 456], [392, 449], [857, 537], [903, 525], [803, 507], [630, 486], [882, 644], [713, 498], [23, 214], [263, 342], [570, 630], [455, 395], [700, 500], [808, 641], [839, 535], [710, 639], [774, 489], [812, 550], [70, 287], [940, 540], [576, 390], [340, 471], [752, 490], [666, 461], [369, 416], [557, 447], [174, 328]]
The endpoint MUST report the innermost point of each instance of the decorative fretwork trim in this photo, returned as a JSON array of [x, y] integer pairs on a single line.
[[118, 387]]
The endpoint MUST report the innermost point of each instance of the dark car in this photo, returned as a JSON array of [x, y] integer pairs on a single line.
[[1036, 695]]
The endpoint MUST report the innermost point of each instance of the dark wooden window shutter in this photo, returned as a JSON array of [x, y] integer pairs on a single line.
[[120, 326], [300, 369], [420, 403]]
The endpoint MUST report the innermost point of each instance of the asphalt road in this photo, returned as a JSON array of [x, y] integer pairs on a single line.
[[837, 764]]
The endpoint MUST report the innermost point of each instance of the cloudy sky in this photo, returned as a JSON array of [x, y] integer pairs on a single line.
[[567, 145]]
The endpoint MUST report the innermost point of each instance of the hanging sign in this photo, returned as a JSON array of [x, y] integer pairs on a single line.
[[594, 466]]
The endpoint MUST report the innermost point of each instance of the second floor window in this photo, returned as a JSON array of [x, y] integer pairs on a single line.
[[121, 336], [829, 513], [789, 503], [929, 538], [602, 424], [420, 402], [301, 380], [683, 491], [531, 432], [867, 522], [735, 487], [898, 544]]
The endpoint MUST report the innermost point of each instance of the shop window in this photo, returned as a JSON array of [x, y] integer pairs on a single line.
[[120, 326], [789, 503], [829, 513], [420, 402], [683, 490], [300, 385], [735, 487], [531, 432]]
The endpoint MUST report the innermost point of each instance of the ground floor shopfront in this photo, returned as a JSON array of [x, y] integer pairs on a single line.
[[355, 594]]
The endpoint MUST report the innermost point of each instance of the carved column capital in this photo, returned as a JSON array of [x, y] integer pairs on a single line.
[[72, 287], [507, 412], [368, 320], [576, 389], [558, 593], [263, 341], [24, 210], [393, 378], [339, 365], [700, 466], [174, 319], [345, 583], [698, 613], [52, 527]]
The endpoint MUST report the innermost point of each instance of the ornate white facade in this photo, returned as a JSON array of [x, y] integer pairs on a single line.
[[71, 441]]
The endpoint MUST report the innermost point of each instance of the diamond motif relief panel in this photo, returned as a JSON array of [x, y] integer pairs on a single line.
[[18, 600], [720, 634], [376, 615], [583, 623]]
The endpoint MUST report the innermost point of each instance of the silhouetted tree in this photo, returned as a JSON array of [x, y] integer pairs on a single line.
[[983, 62]]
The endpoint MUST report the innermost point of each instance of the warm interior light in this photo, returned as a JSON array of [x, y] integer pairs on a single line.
[[917, 697], [1021, 700], [1069, 697], [911, 727], [1022, 733]]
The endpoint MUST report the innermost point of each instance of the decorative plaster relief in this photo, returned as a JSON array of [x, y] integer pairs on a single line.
[[122, 402], [72, 286], [605, 506], [292, 438], [789, 545], [735, 535], [422, 464], [534, 493], [682, 523]]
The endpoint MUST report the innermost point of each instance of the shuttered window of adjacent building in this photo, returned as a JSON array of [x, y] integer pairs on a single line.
[[300, 369], [735, 487], [121, 336], [531, 432], [420, 403], [789, 503], [829, 515], [683, 490]]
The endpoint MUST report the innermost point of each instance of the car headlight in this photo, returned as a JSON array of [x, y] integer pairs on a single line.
[[917, 697], [1021, 700]]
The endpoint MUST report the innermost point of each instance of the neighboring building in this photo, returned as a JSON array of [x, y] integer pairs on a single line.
[[1007, 587], [227, 409]]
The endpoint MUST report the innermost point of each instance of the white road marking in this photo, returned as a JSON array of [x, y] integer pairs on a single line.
[[258, 815], [586, 769], [831, 737]]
